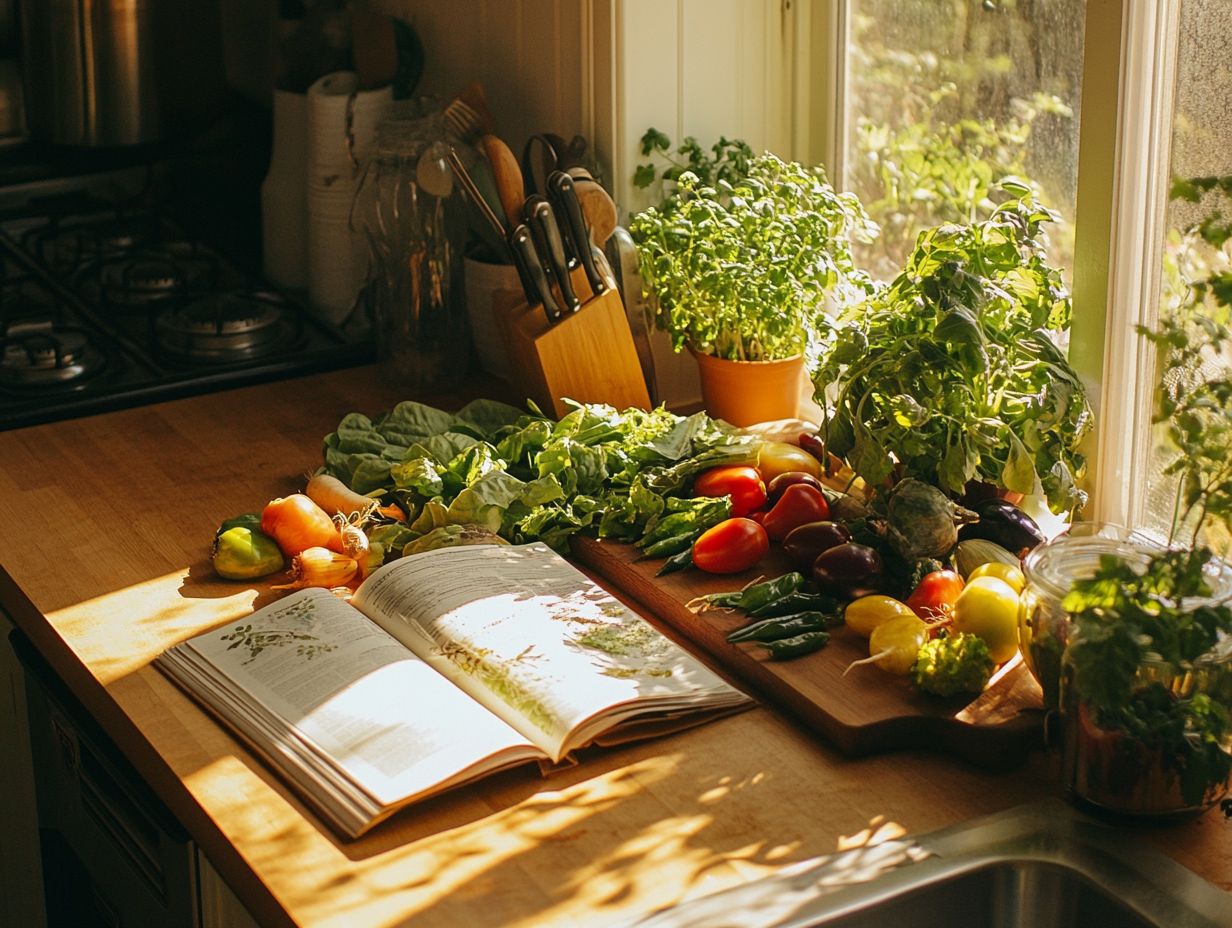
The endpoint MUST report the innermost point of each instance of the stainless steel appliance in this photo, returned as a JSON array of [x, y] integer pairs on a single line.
[[107, 303], [119, 72]]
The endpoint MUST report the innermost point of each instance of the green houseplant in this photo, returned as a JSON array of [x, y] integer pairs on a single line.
[[746, 270], [953, 373], [1147, 672]]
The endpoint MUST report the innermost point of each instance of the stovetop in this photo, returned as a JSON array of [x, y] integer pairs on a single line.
[[104, 306]]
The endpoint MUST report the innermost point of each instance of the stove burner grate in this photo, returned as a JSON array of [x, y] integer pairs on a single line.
[[40, 353], [231, 326], [66, 246], [150, 276]]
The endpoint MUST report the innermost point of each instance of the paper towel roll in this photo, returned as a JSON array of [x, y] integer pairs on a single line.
[[284, 194], [341, 127]]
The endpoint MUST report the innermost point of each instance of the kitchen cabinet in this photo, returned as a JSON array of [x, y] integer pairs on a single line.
[[21, 874], [80, 821]]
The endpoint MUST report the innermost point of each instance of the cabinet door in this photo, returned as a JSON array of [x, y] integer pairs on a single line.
[[21, 873], [219, 905]]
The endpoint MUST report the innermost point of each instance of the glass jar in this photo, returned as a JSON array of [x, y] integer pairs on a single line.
[[1050, 570], [413, 218], [1105, 765], [1107, 768]]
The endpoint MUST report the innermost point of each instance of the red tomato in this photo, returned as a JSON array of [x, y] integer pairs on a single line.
[[730, 547], [936, 593], [799, 504], [741, 482]]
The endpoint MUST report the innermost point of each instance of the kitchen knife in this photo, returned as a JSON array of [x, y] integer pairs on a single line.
[[527, 255], [544, 227], [564, 198]]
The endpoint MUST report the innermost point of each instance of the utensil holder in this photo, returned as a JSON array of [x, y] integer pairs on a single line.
[[588, 356]]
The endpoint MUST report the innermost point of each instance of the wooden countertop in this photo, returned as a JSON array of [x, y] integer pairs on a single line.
[[104, 555]]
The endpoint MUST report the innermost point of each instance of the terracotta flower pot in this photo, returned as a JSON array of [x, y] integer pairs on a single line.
[[747, 392]]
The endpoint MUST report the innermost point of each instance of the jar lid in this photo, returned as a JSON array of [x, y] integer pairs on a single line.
[[1075, 554]]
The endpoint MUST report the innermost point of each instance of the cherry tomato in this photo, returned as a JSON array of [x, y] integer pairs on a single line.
[[804, 542], [848, 571], [866, 613], [741, 482], [799, 504], [730, 547], [776, 487], [779, 457], [935, 595]]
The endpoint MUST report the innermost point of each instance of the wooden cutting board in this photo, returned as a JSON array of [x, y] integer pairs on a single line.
[[868, 711]]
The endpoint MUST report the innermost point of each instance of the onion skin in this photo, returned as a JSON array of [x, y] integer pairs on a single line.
[[297, 523]]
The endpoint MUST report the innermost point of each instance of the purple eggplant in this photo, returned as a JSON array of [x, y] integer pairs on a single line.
[[1005, 524]]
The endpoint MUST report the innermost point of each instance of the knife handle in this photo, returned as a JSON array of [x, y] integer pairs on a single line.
[[523, 244], [561, 190], [543, 223]]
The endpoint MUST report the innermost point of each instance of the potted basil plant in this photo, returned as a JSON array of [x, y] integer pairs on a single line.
[[745, 274]]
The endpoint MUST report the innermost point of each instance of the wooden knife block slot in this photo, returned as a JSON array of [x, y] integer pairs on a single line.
[[588, 356]]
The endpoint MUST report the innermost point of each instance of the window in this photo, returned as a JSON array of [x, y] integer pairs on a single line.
[[945, 97], [935, 94], [1200, 140], [1097, 103]]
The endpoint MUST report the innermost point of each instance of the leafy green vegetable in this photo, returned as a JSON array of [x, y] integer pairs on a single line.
[[744, 269], [952, 664], [951, 373], [529, 478]]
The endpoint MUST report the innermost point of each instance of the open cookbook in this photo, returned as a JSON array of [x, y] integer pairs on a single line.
[[444, 666]]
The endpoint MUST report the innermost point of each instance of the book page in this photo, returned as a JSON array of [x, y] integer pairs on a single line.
[[355, 695], [536, 641]]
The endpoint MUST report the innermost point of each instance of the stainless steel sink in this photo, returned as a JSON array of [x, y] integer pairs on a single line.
[[1037, 866]]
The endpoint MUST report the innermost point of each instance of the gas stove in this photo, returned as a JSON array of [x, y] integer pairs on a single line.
[[106, 305]]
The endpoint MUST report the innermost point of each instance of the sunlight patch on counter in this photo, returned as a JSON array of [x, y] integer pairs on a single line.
[[122, 631]]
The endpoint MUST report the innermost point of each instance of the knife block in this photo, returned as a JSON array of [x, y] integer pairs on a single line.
[[588, 356]]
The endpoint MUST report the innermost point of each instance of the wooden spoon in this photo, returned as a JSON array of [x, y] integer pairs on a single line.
[[508, 177]]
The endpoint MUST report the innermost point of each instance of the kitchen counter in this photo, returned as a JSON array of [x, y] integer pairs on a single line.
[[105, 564]]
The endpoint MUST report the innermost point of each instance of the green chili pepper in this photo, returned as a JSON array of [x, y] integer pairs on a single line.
[[673, 544], [677, 562], [756, 595], [784, 626], [798, 601], [786, 648]]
